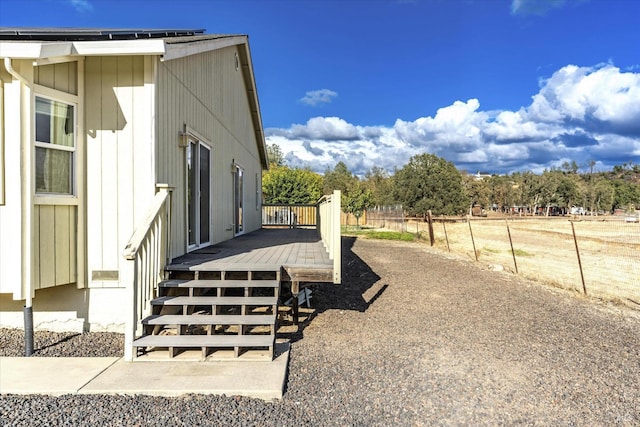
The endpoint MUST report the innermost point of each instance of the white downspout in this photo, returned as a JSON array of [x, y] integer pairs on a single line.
[[27, 213]]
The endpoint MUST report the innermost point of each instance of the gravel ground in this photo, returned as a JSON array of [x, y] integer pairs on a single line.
[[411, 338]]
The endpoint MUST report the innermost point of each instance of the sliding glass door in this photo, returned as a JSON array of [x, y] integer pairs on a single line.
[[238, 192], [198, 194]]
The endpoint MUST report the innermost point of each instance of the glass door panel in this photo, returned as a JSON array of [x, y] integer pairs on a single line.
[[239, 198], [205, 194], [192, 192], [198, 194]]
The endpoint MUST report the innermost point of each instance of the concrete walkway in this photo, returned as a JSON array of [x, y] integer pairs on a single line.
[[112, 375]]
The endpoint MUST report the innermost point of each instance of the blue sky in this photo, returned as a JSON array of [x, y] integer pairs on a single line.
[[491, 85]]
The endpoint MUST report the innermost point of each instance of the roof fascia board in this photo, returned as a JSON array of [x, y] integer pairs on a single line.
[[42, 50], [56, 60], [180, 50], [35, 50], [254, 103], [119, 47]]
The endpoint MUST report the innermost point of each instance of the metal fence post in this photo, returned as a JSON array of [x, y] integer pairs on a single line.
[[445, 235], [575, 240], [513, 253], [475, 252]]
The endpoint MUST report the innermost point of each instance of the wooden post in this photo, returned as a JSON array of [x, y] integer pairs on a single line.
[[295, 290], [432, 238], [445, 235], [475, 253], [575, 240], [513, 253]]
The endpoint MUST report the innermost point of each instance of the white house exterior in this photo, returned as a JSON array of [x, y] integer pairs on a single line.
[[93, 124]]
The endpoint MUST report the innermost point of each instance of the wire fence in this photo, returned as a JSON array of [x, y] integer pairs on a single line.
[[597, 257], [388, 217]]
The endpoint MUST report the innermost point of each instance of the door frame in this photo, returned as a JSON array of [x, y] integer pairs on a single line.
[[192, 139], [238, 202]]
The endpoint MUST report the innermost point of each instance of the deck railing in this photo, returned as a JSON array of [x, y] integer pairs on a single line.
[[149, 251], [329, 227], [324, 216]]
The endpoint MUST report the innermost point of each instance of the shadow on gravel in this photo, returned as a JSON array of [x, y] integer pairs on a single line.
[[357, 292], [358, 280], [56, 343]]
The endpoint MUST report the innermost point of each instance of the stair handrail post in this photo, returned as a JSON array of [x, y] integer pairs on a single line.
[[329, 209]]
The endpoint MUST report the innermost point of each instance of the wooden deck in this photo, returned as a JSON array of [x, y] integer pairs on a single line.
[[299, 252]]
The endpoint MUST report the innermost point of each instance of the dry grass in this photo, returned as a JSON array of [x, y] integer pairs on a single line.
[[545, 250]]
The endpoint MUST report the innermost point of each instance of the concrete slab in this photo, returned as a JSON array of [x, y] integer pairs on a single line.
[[262, 379], [259, 379], [50, 375]]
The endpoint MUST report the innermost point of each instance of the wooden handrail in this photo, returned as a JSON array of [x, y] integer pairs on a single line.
[[141, 232], [148, 250]]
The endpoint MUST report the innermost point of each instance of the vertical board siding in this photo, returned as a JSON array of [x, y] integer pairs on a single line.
[[11, 244], [208, 94], [124, 155], [62, 76], [62, 247], [55, 248], [120, 182], [108, 202], [93, 118]]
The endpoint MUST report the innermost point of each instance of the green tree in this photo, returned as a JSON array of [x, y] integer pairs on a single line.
[[429, 182], [281, 184], [599, 194], [276, 157], [502, 192], [476, 190], [338, 179], [526, 189], [626, 193], [570, 167], [358, 199], [380, 183]]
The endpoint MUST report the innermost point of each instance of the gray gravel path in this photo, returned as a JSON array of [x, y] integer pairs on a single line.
[[411, 338]]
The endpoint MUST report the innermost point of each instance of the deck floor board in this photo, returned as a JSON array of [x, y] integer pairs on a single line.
[[265, 249]]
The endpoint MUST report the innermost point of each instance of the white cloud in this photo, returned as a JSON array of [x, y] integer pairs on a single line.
[[579, 113], [317, 97], [328, 128], [81, 5], [534, 7], [595, 96]]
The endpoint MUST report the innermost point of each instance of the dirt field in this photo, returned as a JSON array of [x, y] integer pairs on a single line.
[[545, 249]]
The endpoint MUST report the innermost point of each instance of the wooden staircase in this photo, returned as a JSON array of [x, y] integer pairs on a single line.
[[212, 311]]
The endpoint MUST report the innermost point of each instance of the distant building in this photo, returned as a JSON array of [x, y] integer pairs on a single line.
[[481, 176]]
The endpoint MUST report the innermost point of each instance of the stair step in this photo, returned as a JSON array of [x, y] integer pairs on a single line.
[[205, 341], [203, 319], [193, 301], [176, 283]]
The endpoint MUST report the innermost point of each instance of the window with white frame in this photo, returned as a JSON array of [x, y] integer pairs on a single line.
[[55, 146]]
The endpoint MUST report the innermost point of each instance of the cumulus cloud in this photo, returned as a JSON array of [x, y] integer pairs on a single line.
[[579, 114], [318, 97], [81, 5], [599, 98]]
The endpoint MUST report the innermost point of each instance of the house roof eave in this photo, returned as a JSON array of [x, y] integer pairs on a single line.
[[179, 47], [44, 50], [254, 103], [34, 50]]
